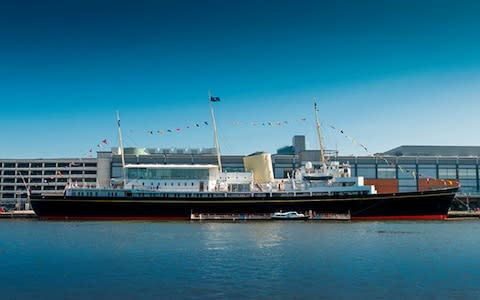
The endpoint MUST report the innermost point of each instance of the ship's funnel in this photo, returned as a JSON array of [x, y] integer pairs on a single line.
[[260, 164]]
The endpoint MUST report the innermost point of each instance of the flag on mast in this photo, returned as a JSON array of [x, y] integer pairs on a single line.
[[214, 99]]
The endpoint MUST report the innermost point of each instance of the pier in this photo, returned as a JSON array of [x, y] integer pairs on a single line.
[[18, 214], [463, 215]]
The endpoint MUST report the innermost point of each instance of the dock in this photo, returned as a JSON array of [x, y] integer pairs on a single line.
[[463, 215], [266, 216], [18, 214], [230, 217], [331, 217]]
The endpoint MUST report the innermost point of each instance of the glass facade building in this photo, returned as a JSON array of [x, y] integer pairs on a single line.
[[42, 175], [407, 164]]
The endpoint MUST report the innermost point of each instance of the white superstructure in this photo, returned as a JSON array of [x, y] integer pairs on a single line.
[[330, 178]]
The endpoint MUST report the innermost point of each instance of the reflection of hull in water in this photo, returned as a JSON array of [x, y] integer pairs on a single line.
[[427, 205]]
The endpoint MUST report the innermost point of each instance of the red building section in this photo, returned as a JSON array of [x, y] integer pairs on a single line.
[[425, 184], [391, 185], [383, 186]]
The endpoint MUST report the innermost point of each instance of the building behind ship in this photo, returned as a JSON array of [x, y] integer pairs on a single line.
[[407, 170]]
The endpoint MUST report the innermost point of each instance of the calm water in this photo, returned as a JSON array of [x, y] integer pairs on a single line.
[[126, 260]]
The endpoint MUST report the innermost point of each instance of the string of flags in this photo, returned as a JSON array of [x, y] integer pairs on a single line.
[[177, 129], [265, 123], [99, 145]]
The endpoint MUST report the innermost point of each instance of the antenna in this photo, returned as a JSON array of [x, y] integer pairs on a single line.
[[122, 152], [319, 133], [215, 135]]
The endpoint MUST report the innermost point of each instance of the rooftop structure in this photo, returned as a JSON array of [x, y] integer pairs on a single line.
[[434, 151]]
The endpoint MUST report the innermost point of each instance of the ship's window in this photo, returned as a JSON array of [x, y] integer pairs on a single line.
[[185, 184], [172, 184], [192, 184]]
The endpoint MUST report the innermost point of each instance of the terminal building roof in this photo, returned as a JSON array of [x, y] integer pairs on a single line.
[[409, 150]]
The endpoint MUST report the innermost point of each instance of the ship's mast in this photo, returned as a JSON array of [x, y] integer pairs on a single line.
[[121, 149], [319, 135], [215, 135]]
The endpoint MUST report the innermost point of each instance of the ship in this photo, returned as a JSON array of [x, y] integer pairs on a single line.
[[189, 192], [177, 192]]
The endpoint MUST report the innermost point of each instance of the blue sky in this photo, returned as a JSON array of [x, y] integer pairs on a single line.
[[388, 73]]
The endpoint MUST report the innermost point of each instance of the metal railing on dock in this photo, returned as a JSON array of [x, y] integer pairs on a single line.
[[231, 217]]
